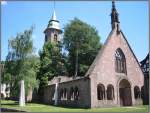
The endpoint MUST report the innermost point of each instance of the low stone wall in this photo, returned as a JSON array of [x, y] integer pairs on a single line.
[[83, 86]]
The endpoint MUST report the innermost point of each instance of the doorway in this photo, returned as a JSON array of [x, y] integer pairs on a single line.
[[125, 93]]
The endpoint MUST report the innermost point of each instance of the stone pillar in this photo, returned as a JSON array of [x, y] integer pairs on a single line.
[[106, 97], [56, 94], [22, 94]]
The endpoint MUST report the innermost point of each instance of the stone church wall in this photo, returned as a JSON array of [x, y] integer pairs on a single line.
[[104, 72]]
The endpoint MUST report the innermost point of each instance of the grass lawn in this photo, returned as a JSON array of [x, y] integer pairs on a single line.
[[34, 107]]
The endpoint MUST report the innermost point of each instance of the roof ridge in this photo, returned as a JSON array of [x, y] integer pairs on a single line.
[[98, 55]]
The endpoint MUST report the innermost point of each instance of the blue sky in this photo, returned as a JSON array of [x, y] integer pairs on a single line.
[[18, 16]]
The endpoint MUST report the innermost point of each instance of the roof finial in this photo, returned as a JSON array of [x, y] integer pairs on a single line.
[[114, 17], [54, 14]]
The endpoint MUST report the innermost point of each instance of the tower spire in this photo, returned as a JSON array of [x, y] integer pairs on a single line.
[[53, 30], [54, 16], [114, 17], [54, 13]]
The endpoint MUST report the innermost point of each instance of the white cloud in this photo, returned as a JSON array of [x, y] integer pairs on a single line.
[[3, 2]]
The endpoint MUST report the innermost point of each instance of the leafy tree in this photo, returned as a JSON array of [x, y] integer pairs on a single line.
[[51, 64], [82, 43], [20, 63], [30, 69]]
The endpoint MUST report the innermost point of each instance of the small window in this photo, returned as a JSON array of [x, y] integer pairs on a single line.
[[100, 92], [55, 37], [110, 92], [65, 93], [76, 94], [71, 94], [46, 38], [136, 92]]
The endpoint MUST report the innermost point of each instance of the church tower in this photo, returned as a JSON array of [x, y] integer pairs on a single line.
[[114, 18], [53, 30]]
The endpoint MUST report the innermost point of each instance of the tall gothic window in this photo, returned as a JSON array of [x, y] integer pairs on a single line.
[[120, 61]]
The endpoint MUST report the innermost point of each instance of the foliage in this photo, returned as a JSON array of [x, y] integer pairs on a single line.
[[84, 39], [20, 63], [30, 69], [51, 63]]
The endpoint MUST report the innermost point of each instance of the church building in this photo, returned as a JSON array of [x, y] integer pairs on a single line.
[[115, 77]]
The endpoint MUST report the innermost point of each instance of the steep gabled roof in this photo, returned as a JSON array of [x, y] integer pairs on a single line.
[[102, 49], [131, 50]]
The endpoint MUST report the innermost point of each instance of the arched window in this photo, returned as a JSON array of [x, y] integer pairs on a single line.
[[53, 95], [61, 94], [72, 93], [65, 93], [101, 92], [120, 61], [136, 92], [76, 93], [110, 92]]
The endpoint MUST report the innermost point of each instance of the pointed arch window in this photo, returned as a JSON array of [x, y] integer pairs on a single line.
[[120, 61]]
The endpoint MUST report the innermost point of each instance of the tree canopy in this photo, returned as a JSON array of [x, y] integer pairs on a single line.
[[80, 46], [51, 64], [20, 63], [80, 40]]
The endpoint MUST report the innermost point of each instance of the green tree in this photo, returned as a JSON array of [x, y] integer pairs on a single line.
[[82, 43], [51, 64], [20, 63]]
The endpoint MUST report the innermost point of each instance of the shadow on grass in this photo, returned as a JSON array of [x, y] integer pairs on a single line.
[[65, 106], [60, 106], [12, 104], [10, 110]]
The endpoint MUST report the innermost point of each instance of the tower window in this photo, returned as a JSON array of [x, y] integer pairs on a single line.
[[120, 61], [55, 37], [46, 38]]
